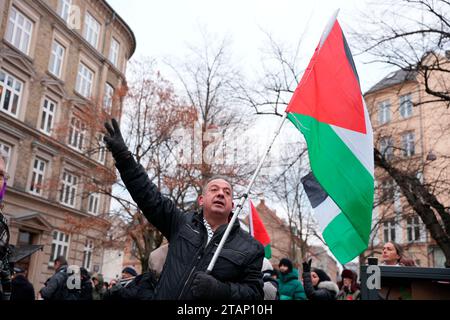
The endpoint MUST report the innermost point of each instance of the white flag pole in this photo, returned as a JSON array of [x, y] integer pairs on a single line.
[[243, 198], [250, 219]]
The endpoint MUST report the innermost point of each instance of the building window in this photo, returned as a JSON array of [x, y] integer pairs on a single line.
[[384, 112], [85, 80], [10, 93], [64, 9], [87, 257], [68, 189], [19, 31], [108, 98], [408, 140], [389, 230], [91, 30], [60, 245], [7, 150], [48, 116], [114, 52], [56, 59], [387, 190], [94, 203], [406, 106], [77, 133], [387, 148], [37, 177], [413, 229], [101, 155]]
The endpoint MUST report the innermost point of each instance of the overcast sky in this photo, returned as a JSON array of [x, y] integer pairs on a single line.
[[164, 29]]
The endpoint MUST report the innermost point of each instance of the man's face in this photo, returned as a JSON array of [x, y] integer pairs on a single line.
[[217, 199]]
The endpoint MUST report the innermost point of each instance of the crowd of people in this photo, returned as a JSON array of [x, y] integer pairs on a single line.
[[240, 271], [281, 283]]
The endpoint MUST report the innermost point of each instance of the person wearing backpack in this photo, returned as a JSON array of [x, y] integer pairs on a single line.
[[56, 288], [55, 285]]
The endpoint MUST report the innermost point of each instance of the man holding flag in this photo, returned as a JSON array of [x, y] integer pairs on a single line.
[[194, 237]]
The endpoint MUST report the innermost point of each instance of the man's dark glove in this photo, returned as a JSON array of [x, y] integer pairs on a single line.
[[207, 287], [307, 265], [114, 141]]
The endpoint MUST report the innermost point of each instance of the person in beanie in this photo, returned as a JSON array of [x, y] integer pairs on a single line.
[[318, 285], [128, 273], [349, 289], [22, 289], [289, 286]]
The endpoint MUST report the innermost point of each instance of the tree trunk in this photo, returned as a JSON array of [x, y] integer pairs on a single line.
[[423, 202]]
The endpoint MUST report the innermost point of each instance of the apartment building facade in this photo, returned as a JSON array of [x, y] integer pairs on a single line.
[[415, 137], [62, 68]]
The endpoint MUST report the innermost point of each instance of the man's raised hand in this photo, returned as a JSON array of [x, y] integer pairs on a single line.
[[114, 141]]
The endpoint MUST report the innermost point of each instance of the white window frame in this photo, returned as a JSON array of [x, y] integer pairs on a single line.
[[77, 133], [413, 225], [15, 93], [87, 254], [384, 112], [386, 187], [389, 226], [19, 31], [94, 203], [91, 30], [409, 144], [56, 63], [48, 115], [60, 245], [406, 106], [38, 174], [101, 154], [69, 189], [7, 148], [387, 147], [85, 80], [64, 8], [114, 52], [108, 98]]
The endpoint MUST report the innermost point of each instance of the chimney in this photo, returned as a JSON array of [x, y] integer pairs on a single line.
[[261, 199]]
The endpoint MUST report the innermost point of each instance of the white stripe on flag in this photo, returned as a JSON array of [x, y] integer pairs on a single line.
[[326, 212], [360, 144]]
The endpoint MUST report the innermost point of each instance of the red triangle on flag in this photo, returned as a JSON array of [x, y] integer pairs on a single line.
[[329, 90], [257, 228]]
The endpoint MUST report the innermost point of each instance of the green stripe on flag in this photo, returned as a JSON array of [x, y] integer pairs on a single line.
[[268, 251], [343, 240], [339, 172]]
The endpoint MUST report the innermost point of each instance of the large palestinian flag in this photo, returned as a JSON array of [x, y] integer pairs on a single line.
[[329, 110]]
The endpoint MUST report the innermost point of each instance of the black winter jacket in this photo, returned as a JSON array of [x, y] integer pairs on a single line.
[[22, 289], [239, 263], [325, 290], [141, 288]]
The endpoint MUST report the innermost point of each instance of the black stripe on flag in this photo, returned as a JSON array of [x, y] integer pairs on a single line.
[[349, 55], [313, 189]]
